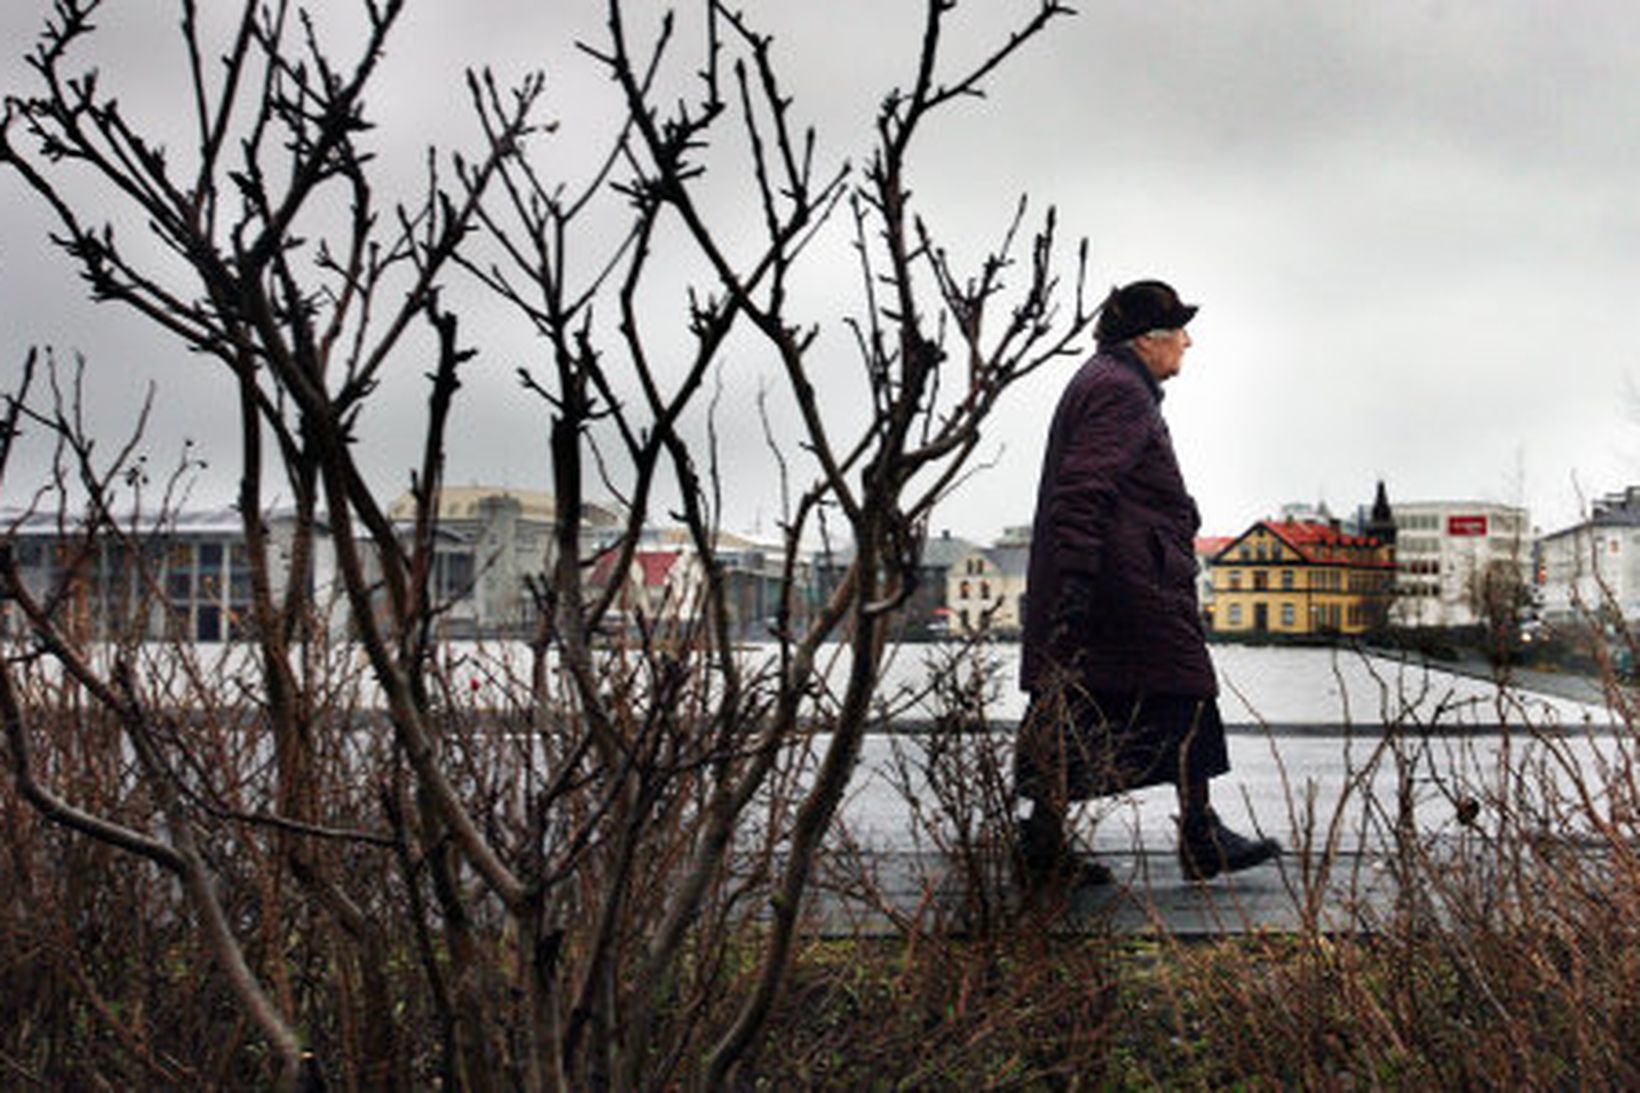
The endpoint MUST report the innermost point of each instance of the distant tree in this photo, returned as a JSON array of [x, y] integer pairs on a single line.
[[1501, 597], [567, 903]]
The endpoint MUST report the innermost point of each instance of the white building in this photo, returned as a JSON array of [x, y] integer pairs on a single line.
[[1594, 566], [985, 589], [666, 582], [1207, 548], [491, 542], [186, 575], [1449, 554]]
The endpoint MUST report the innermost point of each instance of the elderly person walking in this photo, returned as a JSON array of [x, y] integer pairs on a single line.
[[1122, 691]]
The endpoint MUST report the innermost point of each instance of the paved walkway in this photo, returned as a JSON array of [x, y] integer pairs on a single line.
[[890, 892], [1295, 786]]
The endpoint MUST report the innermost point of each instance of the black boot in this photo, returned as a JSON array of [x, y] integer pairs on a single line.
[[1208, 848], [1046, 860]]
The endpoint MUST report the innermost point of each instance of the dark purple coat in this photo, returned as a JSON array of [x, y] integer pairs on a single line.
[[1112, 506]]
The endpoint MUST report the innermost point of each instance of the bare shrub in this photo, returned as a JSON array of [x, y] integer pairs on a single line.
[[1462, 910], [352, 853], [1488, 944]]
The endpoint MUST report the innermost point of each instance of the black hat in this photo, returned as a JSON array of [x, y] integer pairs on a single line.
[[1142, 306]]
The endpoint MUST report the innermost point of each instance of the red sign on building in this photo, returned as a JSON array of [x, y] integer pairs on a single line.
[[1466, 525]]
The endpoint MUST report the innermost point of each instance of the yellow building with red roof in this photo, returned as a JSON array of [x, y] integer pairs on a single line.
[[1288, 578]]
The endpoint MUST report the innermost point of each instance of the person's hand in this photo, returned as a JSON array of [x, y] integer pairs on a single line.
[[1074, 609]]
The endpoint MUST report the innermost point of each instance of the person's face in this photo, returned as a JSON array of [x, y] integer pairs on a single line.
[[1163, 352]]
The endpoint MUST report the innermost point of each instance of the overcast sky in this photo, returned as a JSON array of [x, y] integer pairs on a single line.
[[1413, 227]]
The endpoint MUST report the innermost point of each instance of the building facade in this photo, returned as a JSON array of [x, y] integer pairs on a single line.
[[667, 582], [184, 576], [492, 543], [1458, 561], [985, 590], [1591, 570], [1207, 548], [1295, 579], [926, 612]]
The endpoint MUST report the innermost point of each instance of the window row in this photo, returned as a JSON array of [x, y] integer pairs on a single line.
[[1328, 616], [1320, 580]]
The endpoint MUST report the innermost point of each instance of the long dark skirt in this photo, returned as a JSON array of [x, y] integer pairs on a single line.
[[1075, 744]]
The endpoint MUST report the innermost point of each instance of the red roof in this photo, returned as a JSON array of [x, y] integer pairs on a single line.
[[655, 565], [1207, 545], [1322, 542], [603, 568]]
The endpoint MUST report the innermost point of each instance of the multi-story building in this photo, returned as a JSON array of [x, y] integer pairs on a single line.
[[1207, 548], [1295, 579], [492, 542], [187, 575], [181, 575], [1591, 570], [666, 582], [925, 613], [985, 589], [1458, 562]]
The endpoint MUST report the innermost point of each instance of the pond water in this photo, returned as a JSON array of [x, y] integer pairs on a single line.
[[1286, 687], [1290, 689]]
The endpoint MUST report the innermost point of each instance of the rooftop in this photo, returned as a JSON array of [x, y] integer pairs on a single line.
[[1318, 543], [468, 502]]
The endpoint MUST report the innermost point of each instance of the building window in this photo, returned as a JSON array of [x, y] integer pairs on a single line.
[[1235, 580], [1287, 616], [208, 623], [179, 586], [205, 583], [453, 574], [1235, 614], [1287, 580], [966, 591], [1261, 581]]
